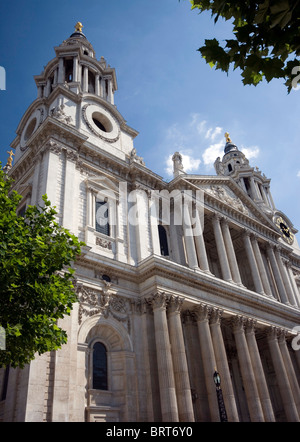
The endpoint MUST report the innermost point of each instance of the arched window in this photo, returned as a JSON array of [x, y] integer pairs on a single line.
[[163, 240], [99, 367]]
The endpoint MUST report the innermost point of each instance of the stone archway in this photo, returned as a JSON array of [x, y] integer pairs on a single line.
[[119, 402]]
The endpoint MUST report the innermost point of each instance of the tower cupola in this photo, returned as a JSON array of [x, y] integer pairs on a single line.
[[76, 68], [235, 164]]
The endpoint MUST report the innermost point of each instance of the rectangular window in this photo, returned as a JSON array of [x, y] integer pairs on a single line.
[[102, 218]]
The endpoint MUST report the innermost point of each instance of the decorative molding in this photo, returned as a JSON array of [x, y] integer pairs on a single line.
[[105, 302], [104, 243]]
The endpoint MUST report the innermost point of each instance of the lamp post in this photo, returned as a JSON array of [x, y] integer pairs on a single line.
[[222, 409]]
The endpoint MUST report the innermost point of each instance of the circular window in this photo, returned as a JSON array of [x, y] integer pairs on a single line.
[[102, 122], [30, 129]]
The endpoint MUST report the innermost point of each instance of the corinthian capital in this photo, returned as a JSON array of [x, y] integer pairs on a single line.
[[202, 312], [158, 301], [175, 304]]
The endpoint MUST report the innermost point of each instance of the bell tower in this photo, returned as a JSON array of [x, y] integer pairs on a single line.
[[71, 132], [235, 164]]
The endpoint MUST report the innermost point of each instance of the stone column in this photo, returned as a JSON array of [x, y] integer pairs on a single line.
[[249, 381], [230, 252], [188, 237], [261, 267], [289, 368], [200, 247], [277, 275], [284, 276], [85, 78], [61, 71], [222, 365], [75, 68], [225, 268], [168, 400], [97, 85], [181, 373], [253, 265], [202, 313], [282, 377], [259, 372], [195, 364]]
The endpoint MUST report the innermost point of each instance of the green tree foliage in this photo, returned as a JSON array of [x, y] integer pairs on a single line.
[[36, 288], [266, 40]]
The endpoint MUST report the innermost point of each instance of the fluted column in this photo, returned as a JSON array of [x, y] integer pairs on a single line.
[[222, 365], [202, 313], [249, 381], [181, 373], [224, 263], [259, 372], [168, 400], [253, 265], [261, 267], [289, 368], [282, 377], [277, 275], [231, 253]]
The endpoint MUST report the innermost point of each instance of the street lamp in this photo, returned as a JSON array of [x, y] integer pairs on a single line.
[[222, 409]]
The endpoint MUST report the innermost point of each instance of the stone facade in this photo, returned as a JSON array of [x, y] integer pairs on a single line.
[[176, 279]]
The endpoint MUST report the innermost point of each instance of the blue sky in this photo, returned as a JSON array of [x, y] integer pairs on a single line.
[[166, 91]]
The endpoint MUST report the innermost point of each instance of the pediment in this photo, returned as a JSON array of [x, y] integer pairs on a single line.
[[103, 185], [226, 192]]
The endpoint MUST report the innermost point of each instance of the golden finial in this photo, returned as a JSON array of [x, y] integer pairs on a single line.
[[228, 140], [10, 159], [78, 27]]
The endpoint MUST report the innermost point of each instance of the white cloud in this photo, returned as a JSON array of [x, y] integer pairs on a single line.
[[212, 152], [298, 174], [199, 142], [250, 152]]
